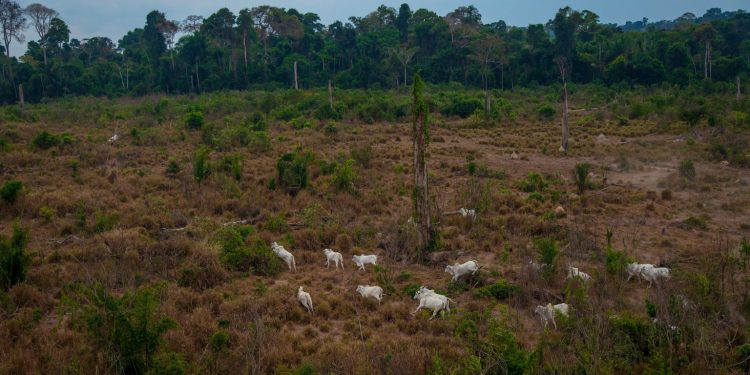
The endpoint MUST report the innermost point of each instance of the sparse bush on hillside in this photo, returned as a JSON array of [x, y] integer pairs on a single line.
[[344, 175], [500, 290], [687, 170], [362, 155], [257, 257], [547, 249], [534, 182], [194, 119], [291, 171], [201, 166], [581, 174], [10, 191], [546, 112], [45, 140], [127, 330], [14, 262]]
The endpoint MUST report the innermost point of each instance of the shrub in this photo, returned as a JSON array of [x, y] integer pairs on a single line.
[[547, 249], [616, 261], [232, 164], [173, 168], [687, 169], [47, 213], [104, 222], [14, 262], [344, 242], [194, 119], [169, 363], [330, 128], [463, 107], [45, 140], [581, 175], [218, 341], [128, 328], [534, 182], [384, 279], [259, 141], [695, 222], [301, 123], [411, 289], [500, 290], [10, 190], [546, 112], [257, 257], [291, 171], [362, 155], [344, 175], [201, 167]]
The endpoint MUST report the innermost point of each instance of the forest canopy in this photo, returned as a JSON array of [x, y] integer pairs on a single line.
[[259, 48]]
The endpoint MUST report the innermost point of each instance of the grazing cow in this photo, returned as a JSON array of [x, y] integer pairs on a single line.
[[371, 291], [574, 272], [537, 267], [635, 269], [653, 274], [361, 260], [559, 211], [286, 256], [336, 257], [471, 214], [547, 313], [458, 270], [115, 137], [431, 300], [305, 299], [514, 156]]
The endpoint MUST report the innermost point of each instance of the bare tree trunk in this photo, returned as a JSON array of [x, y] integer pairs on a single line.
[[330, 95], [244, 46], [565, 134], [296, 84], [487, 103], [20, 96], [739, 92], [44, 53], [705, 62], [421, 192], [405, 77]]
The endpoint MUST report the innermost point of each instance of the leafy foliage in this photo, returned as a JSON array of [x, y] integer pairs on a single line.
[[14, 262], [10, 190]]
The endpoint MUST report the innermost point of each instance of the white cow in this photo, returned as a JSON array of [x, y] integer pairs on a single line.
[[574, 272], [371, 291], [537, 267], [336, 257], [431, 300], [305, 299], [547, 313], [458, 270], [635, 269], [361, 260], [471, 214], [285, 255], [653, 274], [114, 138]]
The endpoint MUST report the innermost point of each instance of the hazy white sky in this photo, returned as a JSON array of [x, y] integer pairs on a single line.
[[88, 18]]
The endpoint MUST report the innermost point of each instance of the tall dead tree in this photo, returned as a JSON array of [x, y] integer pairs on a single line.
[[41, 16], [330, 95], [420, 130], [561, 64], [296, 83]]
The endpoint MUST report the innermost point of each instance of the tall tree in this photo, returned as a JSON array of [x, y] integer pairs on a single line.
[[564, 25], [402, 21], [12, 23], [404, 54], [421, 197], [41, 18], [705, 33]]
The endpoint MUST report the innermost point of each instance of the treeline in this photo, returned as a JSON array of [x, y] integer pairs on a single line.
[[268, 47]]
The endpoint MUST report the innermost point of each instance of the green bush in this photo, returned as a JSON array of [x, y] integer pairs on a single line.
[[104, 222], [201, 166], [693, 222], [362, 155], [10, 191], [259, 141], [546, 112], [300, 123], [232, 164], [291, 171], [257, 258], [687, 169], [343, 176], [45, 140], [14, 262], [547, 249], [616, 261], [128, 329], [330, 128], [534, 182], [169, 363], [411, 289], [173, 168], [194, 119], [581, 175], [463, 107], [219, 341], [500, 290]]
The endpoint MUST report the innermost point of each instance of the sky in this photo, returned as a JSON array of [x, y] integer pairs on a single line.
[[110, 18]]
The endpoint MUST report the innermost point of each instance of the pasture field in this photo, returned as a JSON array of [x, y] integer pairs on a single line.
[[149, 251]]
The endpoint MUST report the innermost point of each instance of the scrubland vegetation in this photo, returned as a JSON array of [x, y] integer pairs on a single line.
[[151, 253], [136, 220]]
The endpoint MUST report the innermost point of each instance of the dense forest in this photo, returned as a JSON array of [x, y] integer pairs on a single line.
[[262, 47]]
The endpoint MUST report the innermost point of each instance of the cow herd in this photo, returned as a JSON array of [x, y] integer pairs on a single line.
[[431, 300]]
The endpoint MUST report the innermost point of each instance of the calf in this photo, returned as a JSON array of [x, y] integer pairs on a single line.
[[286, 256], [305, 299], [337, 258], [547, 313], [371, 291], [574, 272], [471, 214], [361, 260], [458, 270]]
